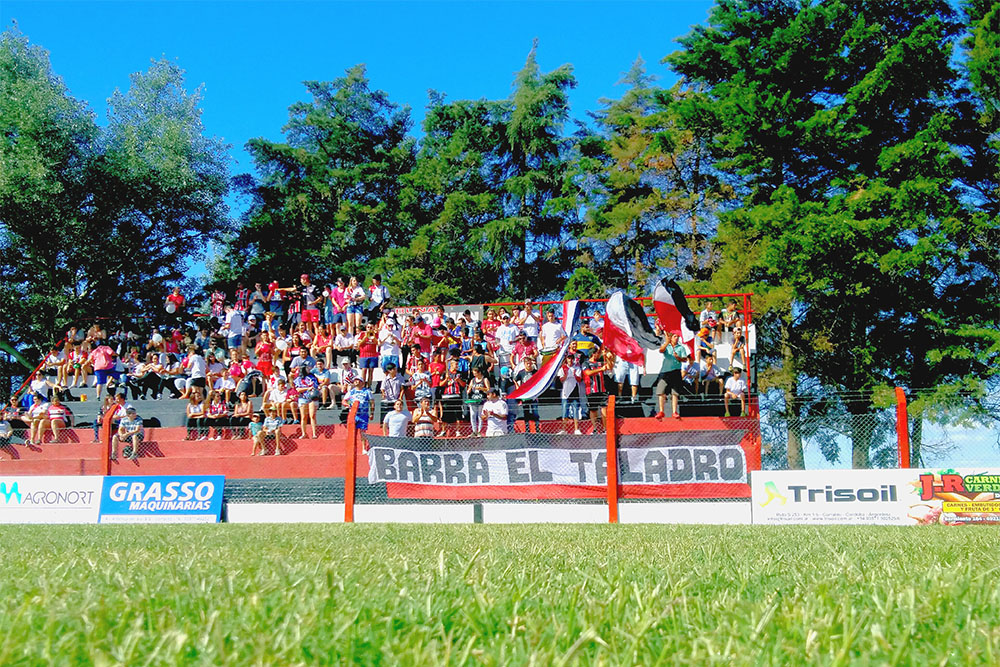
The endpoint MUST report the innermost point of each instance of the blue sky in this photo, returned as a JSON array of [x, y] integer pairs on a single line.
[[253, 56]]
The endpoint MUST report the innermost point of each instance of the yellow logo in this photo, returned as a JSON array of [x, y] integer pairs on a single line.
[[771, 489]]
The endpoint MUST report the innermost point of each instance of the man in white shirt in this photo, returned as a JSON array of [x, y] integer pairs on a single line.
[[395, 422], [234, 328], [736, 387], [495, 413], [505, 334], [378, 295], [389, 340], [552, 334]]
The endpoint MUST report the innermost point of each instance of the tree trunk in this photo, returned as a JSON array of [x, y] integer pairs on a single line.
[[796, 460]]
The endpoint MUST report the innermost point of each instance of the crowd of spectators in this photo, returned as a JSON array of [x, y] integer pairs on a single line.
[[305, 348]]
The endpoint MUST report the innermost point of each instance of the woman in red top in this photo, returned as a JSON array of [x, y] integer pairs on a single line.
[[322, 345], [451, 397], [265, 354], [368, 353], [490, 325], [437, 370]]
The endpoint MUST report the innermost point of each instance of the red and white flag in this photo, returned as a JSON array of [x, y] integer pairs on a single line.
[[534, 386], [673, 311], [627, 332]]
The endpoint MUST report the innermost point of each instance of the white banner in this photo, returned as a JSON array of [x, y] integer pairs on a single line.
[[577, 467], [882, 497], [50, 499]]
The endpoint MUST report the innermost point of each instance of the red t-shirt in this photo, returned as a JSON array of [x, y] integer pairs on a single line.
[[436, 369], [367, 346], [176, 299]]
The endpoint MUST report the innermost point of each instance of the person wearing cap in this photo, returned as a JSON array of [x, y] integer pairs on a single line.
[[505, 335], [271, 430], [378, 296], [129, 431], [494, 411], [310, 299], [362, 396]]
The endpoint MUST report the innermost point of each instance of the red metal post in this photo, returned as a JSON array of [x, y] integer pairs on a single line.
[[902, 429], [611, 438], [106, 434], [351, 465]]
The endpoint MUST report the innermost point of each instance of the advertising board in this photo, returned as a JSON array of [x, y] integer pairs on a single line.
[[49, 499], [156, 499], [882, 497]]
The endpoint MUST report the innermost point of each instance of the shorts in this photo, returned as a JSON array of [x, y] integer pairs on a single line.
[[451, 409], [368, 362], [668, 379], [336, 318], [597, 400], [355, 310], [310, 315], [235, 341], [571, 408], [391, 359], [623, 369], [102, 376]]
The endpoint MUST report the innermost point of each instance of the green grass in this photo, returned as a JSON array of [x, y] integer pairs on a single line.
[[498, 595]]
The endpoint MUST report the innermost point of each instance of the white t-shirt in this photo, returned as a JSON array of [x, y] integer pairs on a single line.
[[388, 338], [570, 380], [197, 366], [530, 326], [496, 423], [506, 335], [395, 423], [235, 322], [552, 334], [734, 386]]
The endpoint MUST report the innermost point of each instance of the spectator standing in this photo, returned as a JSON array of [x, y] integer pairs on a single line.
[[174, 303], [378, 297], [234, 328], [368, 353], [571, 375], [396, 420], [594, 368], [308, 398], [586, 342], [551, 335], [355, 298], [389, 338], [475, 397], [310, 300], [362, 396], [257, 302], [425, 421], [242, 298], [495, 412], [529, 409], [674, 354]]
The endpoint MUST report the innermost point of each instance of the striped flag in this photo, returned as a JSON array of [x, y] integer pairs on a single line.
[[542, 379], [673, 311], [626, 329]]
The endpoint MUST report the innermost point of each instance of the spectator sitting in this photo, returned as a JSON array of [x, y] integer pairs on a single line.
[[59, 417], [710, 377], [242, 412], [271, 431], [217, 416], [37, 418], [195, 413], [730, 319], [736, 387], [129, 430], [255, 431]]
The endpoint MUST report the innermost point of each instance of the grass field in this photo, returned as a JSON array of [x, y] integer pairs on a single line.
[[497, 595]]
